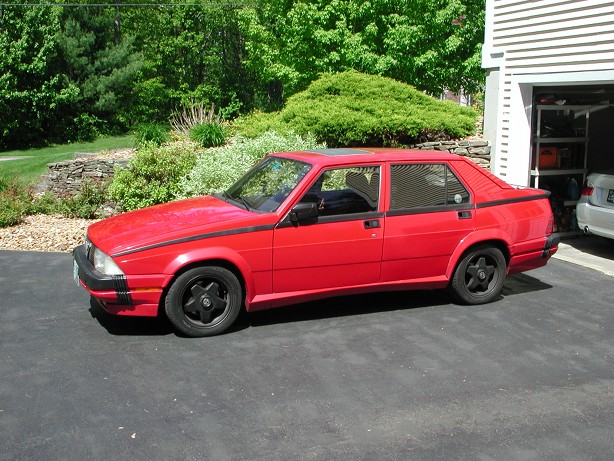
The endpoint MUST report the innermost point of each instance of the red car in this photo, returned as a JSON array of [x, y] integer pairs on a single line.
[[301, 226]]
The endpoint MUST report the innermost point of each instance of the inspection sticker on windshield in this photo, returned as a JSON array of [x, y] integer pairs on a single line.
[[611, 196]]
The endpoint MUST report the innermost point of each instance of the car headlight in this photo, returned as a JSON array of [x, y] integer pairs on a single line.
[[103, 263]]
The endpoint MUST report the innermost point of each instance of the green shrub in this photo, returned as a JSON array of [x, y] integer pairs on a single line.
[[218, 168], [14, 200], [151, 133], [11, 209], [86, 203], [152, 176], [87, 127], [46, 203], [208, 134], [353, 109], [193, 114]]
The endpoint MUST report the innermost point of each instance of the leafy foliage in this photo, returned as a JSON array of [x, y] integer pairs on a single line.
[[219, 168], [18, 201], [87, 203], [11, 203], [191, 53], [152, 176], [33, 95], [430, 44], [196, 113], [208, 134], [69, 74], [352, 109], [151, 133], [63, 76]]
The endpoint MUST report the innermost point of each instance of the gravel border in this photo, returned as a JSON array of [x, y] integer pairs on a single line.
[[48, 233]]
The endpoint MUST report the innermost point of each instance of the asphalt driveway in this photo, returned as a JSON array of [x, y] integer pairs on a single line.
[[404, 376]]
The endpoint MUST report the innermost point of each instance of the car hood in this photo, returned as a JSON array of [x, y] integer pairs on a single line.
[[167, 222]]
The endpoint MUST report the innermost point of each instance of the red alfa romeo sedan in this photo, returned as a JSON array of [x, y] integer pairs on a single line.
[[301, 226]]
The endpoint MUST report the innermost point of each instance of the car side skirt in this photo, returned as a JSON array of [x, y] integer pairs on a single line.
[[268, 301]]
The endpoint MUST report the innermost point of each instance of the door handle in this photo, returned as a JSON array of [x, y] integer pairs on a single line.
[[464, 215], [372, 224]]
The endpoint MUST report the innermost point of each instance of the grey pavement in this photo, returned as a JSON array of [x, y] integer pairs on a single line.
[[397, 376], [594, 252]]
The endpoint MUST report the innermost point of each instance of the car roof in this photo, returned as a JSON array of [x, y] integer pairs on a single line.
[[365, 154]]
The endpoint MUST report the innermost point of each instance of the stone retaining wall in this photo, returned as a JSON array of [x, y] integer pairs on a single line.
[[65, 178], [476, 150]]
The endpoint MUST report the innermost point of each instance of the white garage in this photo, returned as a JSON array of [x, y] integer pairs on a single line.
[[549, 99]]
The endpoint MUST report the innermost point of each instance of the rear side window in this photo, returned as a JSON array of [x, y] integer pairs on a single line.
[[415, 186]]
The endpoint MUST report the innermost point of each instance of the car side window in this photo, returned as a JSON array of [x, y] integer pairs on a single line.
[[343, 191], [425, 185]]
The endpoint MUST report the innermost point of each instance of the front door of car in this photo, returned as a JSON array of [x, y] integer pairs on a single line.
[[340, 245], [430, 212]]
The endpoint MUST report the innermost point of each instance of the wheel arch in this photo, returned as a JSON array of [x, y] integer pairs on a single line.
[[225, 258], [499, 241]]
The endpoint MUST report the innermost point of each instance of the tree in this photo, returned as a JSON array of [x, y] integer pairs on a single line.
[[62, 76], [431, 44], [191, 53], [102, 64], [32, 93]]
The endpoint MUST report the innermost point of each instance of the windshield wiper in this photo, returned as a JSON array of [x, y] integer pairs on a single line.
[[242, 200]]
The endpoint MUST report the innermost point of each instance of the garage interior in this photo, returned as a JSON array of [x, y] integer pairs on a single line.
[[572, 136]]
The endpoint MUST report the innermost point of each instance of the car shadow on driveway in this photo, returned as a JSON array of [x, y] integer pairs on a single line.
[[330, 308], [379, 302], [130, 326], [523, 283]]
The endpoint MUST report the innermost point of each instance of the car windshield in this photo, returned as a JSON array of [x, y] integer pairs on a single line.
[[268, 184]]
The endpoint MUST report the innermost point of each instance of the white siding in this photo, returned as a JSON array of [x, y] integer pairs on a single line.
[[531, 41]]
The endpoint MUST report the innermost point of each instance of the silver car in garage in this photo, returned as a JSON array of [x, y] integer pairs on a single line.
[[595, 209]]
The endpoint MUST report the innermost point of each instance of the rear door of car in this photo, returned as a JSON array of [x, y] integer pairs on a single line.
[[342, 246], [429, 212]]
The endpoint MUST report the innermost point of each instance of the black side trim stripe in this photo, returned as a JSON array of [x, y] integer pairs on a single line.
[[529, 198], [286, 222], [243, 230], [429, 209]]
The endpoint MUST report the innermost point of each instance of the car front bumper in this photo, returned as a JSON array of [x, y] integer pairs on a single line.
[[118, 294]]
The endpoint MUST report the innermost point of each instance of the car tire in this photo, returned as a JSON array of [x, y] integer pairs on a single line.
[[204, 301], [479, 276]]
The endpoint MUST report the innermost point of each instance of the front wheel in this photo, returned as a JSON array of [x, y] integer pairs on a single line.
[[204, 301], [479, 276]]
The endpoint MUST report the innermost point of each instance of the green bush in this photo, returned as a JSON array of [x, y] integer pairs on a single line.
[[41, 204], [353, 109], [152, 176], [151, 133], [13, 200], [11, 209], [86, 203], [218, 168], [208, 134]]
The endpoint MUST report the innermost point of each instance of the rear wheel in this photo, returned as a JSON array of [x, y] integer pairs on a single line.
[[204, 301], [479, 276]]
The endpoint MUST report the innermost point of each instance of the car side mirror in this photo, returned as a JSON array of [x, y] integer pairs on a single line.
[[302, 212]]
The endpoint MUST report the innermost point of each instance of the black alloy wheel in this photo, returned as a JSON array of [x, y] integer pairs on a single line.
[[204, 301], [479, 276]]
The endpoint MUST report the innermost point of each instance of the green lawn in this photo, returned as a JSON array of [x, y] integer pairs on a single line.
[[34, 164]]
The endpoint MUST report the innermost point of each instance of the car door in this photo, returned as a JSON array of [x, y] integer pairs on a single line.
[[429, 213], [342, 245]]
